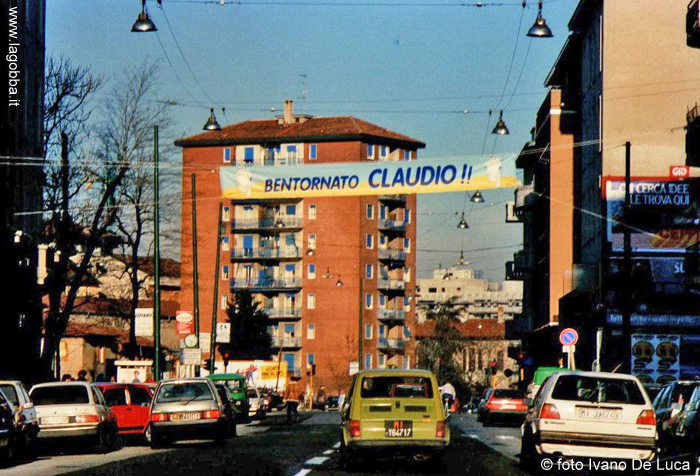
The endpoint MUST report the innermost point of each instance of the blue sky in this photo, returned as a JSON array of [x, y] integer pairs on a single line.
[[413, 69]]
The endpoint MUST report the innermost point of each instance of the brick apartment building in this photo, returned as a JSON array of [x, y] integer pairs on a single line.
[[326, 270]]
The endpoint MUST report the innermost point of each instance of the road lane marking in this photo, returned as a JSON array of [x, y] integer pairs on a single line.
[[506, 437], [329, 452], [318, 460], [337, 445], [303, 472]]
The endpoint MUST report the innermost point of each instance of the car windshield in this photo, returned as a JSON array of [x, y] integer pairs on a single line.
[[185, 391], [501, 393], [581, 388], [396, 386], [234, 385], [57, 395]]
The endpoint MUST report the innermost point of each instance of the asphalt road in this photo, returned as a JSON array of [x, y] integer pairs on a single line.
[[274, 448]]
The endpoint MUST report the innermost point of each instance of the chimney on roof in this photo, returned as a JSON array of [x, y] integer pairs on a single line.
[[288, 111]]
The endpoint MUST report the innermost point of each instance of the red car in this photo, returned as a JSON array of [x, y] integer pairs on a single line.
[[130, 402], [502, 404]]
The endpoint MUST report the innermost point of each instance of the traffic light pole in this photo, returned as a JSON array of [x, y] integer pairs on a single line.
[[626, 298], [212, 347], [156, 261], [195, 272]]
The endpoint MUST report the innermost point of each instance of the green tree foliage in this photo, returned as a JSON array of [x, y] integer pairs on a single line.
[[249, 336]]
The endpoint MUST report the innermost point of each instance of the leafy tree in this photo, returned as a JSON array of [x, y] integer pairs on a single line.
[[249, 336]]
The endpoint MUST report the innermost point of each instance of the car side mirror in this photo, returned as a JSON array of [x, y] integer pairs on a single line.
[[528, 401], [28, 406]]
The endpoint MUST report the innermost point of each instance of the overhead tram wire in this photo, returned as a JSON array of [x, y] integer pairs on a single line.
[[346, 3], [177, 75]]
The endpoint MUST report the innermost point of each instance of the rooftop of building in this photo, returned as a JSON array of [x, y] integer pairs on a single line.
[[290, 128]]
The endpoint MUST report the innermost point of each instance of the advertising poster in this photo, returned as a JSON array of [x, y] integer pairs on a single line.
[[656, 357], [259, 373], [184, 322]]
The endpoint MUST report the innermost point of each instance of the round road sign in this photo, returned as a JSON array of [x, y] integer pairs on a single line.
[[568, 336]]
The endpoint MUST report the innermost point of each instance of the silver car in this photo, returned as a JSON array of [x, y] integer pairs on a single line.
[[74, 410], [186, 409], [25, 420]]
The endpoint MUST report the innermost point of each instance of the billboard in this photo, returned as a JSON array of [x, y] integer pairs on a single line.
[[366, 178], [656, 357], [663, 216]]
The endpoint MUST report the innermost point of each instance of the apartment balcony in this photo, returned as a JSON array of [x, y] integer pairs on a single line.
[[263, 254], [398, 198], [271, 161], [283, 223], [392, 315], [392, 226], [524, 198], [391, 255], [520, 266], [283, 312], [391, 345], [263, 285], [391, 286], [286, 342], [692, 22]]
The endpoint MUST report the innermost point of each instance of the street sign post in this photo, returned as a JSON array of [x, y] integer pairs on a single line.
[[568, 339]]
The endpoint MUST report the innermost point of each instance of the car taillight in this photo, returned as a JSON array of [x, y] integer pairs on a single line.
[[549, 412], [87, 419], [491, 406], [355, 428], [440, 432], [160, 417], [647, 417], [211, 415]]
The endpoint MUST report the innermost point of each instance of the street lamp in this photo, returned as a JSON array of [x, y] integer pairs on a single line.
[[477, 197], [540, 28], [500, 128], [143, 23], [211, 124], [462, 223]]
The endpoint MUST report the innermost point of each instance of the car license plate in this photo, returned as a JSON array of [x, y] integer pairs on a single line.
[[598, 414], [55, 420], [185, 416], [398, 428]]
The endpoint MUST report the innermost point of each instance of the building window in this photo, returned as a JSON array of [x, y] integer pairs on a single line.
[[227, 155], [407, 275], [370, 211], [226, 215], [368, 301], [369, 271], [312, 241], [407, 303], [384, 151], [312, 152], [368, 331], [312, 271], [382, 241], [312, 212], [407, 245], [224, 272], [224, 301], [310, 359], [370, 241], [408, 216], [499, 359], [406, 155], [248, 155], [368, 361], [225, 243], [472, 360], [381, 361], [370, 151], [311, 331], [382, 301], [311, 301], [382, 212], [406, 362]]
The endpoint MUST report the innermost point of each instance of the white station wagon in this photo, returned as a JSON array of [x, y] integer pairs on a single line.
[[589, 415]]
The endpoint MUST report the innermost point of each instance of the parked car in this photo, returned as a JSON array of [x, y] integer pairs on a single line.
[[589, 415], [228, 405], [393, 411], [188, 408], [256, 404], [74, 410], [332, 402], [238, 390], [503, 405], [130, 403], [26, 425], [667, 407], [7, 429], [538, 379]]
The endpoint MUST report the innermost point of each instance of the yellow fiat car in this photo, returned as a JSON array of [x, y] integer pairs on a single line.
[[393, 412]]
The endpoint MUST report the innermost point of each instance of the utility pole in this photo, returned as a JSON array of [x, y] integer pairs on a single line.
[[195, 272], [627, 259], [156, 261], [212, 348]]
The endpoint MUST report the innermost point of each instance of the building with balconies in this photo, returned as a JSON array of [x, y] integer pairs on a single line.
[[335, 275]]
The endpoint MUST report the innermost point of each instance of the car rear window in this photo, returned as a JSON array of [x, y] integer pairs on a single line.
[[581, 388], [404, 387], [502, 393], [115, 397], [10, 393], [139, 396], [187, 391], [68, 395], [686, 390]]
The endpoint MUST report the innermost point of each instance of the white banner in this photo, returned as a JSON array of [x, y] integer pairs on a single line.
[[144, 322], [223, 332]]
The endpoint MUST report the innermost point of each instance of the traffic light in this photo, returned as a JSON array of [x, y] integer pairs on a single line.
[[313, 369], [494, 367]]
